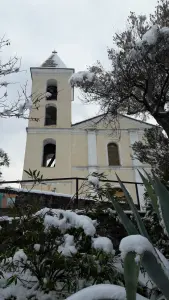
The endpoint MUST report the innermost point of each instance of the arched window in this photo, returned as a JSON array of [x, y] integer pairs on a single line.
[[49, 153], [113, 154], [51, 90], [50, 115]]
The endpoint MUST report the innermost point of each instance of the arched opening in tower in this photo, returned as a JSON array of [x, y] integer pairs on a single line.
[[51, 90], [50, 115], [49, 155]]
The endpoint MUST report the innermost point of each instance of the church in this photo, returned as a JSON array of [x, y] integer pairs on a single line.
[[59, 149]]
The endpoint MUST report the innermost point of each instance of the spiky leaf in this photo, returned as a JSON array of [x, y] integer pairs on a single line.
[[129, 199], [129, 226], [131, 272], [163, 202], [148, 185]]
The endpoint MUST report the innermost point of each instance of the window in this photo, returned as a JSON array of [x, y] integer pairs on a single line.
[[118, 192], [113, 154], [49, 153], [51, 90], [50, 115]]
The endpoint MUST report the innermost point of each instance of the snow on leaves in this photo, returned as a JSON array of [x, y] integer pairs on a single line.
[[55, 245], [81, 77]]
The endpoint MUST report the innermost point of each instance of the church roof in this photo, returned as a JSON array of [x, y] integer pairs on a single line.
[[53, 61], [103, 116]]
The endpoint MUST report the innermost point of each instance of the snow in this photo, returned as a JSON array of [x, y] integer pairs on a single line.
[[48, 94], [136, 243], [81, 77], [36, 247], [151, 35], [9, 219], [19, 257], [36, 192], [7, 112], [53, 61], [164, 30], [25, 106], [20, 292], [103, 243], [103, 291], [137, 259], [65, 219], [21, 109], [93, 180], [58, 62], [68, 248], [28, 104]]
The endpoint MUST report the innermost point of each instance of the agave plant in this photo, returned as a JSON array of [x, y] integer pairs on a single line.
[[151, 259], [137, 248]]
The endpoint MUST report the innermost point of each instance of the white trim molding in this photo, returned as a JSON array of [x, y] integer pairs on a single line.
[[137, 165], [109, 168], [73, 130], [92, 150]]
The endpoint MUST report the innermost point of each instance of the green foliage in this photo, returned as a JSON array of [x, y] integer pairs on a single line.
[[131, 272], [154, 151], [4, 159], [150, 259], [138, 81], [155, 230], [45, 265], [34, 175]]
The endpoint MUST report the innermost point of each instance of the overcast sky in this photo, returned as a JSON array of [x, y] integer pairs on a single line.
[[80, 30]]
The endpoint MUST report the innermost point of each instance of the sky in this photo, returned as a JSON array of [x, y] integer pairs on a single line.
[[80, 31]]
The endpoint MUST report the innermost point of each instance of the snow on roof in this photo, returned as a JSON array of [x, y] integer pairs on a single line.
[[12, 190], [53, 61]]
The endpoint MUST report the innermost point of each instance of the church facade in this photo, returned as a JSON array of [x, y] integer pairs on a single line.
[[59, 149]]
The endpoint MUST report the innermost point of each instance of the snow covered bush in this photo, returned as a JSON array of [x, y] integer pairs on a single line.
[[53, 253], [137, 249]]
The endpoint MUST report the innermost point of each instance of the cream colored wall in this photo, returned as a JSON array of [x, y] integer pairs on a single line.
[[72, 142], [63, 103], [34, 154], [79, 149], [80, 168], [35, 138], [104, 135]]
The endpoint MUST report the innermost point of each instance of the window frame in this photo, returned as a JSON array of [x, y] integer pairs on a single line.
[[54, 106], [119, 156], [46, 142], [52, 83]]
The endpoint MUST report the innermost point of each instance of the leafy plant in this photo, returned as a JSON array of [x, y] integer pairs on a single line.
[[137, 249], [53, 251], [155, 264]]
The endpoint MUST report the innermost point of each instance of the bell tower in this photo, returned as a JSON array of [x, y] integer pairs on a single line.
[[48, 144]]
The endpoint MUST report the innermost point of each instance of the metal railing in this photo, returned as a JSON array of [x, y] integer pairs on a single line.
[[77, 186]]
